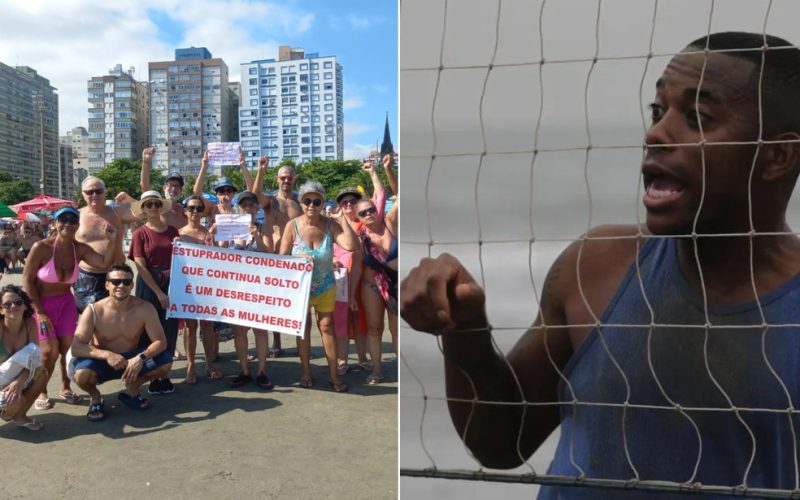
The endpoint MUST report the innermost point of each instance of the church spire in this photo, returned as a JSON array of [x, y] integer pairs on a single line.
[[386, 146]]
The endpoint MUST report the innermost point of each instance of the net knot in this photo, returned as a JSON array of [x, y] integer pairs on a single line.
[[632, 482]]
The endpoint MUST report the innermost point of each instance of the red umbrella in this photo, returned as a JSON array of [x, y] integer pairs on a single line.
[[42, 202]]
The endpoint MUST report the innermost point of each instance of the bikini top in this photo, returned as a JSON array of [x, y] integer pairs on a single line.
[[49, 274]]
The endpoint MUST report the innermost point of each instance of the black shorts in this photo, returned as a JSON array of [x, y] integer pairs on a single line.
[[89, 288]]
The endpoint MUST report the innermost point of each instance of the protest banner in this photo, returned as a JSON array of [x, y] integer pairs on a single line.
[[231, 227], [258, 290], [223, 153]]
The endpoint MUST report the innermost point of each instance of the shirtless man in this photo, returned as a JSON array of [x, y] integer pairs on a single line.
[[277, 212], [173, 185], [106, 344], [90, 286], [26, 240], [669, 305], [286, 199]]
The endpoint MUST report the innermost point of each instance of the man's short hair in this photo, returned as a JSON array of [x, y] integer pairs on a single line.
[[92, 178], [780, 83], [287, 167], [121, 267]]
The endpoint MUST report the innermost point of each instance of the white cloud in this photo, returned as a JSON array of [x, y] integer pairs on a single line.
[[352, 128], [357, 151], [362, 22], [380, 88], [88, 37], [353, 102]]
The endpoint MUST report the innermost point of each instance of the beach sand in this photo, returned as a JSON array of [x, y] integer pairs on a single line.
[[211, 441]]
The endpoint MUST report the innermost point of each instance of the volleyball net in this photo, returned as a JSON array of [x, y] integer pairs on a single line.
[[522, 125]]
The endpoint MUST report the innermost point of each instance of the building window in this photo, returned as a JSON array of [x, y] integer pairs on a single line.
[[253, 91], [304, 67], [327, 65], [253, 71], [328, 75], [329, 107], [314, 66], [328, 97], [329, 149]]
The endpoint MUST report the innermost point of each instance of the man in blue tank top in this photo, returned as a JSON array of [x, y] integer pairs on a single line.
[[693, 376]]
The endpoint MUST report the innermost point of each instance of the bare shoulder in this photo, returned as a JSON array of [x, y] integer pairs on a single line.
[[590, 269]]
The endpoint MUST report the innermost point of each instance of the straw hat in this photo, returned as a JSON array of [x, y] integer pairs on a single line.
[[136, 206]]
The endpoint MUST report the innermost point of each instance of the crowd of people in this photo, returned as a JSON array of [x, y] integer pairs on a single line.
[[81, 302]]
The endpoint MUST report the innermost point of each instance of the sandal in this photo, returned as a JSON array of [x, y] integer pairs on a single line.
[[71, 398], [136, 402], [340, 387], [264, 382], [342, 369], [214, 374], [275, 353], [366, 365], [306, 382], [240, 380], [374, 379], [191, 378], [96, 412], [33, 425], [43, 404]]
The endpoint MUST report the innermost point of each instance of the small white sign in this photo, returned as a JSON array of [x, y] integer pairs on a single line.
[[223, 153], [231, 227]]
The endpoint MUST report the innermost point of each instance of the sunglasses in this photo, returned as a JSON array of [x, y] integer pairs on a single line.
[[152, 204], [248, 204], [308, 202], [118, 282], [226, 191], [90, 192], [367, 211], [195, 208], [68, 220], [12, 303], [348, 201]]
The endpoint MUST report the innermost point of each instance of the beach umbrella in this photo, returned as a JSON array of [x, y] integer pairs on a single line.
[[210, 198], [28, 217], [42, 202], [6, 212]]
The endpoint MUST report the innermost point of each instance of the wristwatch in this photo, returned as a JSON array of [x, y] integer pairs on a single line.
[[143, 357]]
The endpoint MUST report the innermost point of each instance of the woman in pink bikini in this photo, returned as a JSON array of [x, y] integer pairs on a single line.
[[50, 270]]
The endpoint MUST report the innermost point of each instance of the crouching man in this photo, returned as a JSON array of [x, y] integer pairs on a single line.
[[106, 344]]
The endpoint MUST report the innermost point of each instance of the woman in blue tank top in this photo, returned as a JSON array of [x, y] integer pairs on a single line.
[[312, 236]]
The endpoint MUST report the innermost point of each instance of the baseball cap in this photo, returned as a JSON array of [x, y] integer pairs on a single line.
[[224, 182], [66, 210], [174, 176], [348, 190]]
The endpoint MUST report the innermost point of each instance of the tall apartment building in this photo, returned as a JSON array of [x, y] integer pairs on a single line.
[[119, 117], [292, 107], [29, 127], [190, 107], [78, 139], [65, 185]]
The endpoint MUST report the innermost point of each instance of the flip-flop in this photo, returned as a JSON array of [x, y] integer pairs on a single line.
[[340, 387], [96, 413], [306, 383], [43, 404], [342, 370], [191, 378], [264, 382], [71, 398], [374, 379], [137, 402], [214, 374], [366, 365], [275, 353], [33, 425]]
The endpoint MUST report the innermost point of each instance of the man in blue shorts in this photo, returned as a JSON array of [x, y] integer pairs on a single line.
[[106, 344]]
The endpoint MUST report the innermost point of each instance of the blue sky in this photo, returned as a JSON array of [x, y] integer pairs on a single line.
[[88, 37]]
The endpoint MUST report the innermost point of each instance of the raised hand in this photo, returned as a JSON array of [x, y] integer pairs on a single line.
[[439, 295], [367, 166], [147, 154], [387, 161], [263, 162]]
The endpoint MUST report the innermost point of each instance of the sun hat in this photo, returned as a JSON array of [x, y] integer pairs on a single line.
[[136, 206], [66, 210], [246, 195], [311, 187], [224, 182], [174, 176], [348, 190]]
